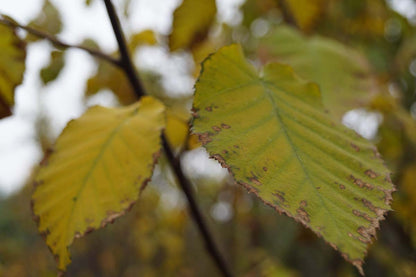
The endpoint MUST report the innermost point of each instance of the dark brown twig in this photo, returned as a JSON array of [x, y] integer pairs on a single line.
[[128, 67], [57, 42]]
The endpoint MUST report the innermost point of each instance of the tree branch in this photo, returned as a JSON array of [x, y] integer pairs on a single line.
[[11, 23], [128, 67]]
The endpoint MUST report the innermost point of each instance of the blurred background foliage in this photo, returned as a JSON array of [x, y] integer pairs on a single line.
[[156, 238]]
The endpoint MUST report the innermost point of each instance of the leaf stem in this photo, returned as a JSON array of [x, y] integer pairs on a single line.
[[128, 67], [11, 23]]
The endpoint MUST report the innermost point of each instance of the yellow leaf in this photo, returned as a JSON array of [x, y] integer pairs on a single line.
[[144, 37], [306, 12], [176, 130], [12, 67], [95, 172], [191, 21], [270, 130], [111, 77]]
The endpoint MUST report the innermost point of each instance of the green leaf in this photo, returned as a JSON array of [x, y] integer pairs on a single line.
[[191, 21], [341, 72], [12, 67], [50, 72], [48, 20], [270, 130], [95, 172]]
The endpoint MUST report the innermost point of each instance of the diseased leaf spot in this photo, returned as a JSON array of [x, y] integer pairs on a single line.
[[255, 181], [371, 173], [358, 238], [341, 186], [281, 201], [363, 215], [216, 128], [221, 160], [301, 213], [208, 109], [264, 168], [361, 183], [355, 147], [225, 126], [205, 138], [249, 188]]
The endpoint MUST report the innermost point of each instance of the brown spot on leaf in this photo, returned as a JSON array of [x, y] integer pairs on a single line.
[[264, 168], [341, 186], [361, 183], [254, 179], [371, 173], [363, 215], [370, 206], [236, 146], [376, 154], [355, 147], [208, 109], [111, 216], [250, 189], [225, 126], [205, 138], [224, 151], [280, 195], [194, 114], [301, 213], [78, 235], [221, 160], [216, 128]]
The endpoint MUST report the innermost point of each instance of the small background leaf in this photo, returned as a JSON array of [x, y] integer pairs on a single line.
[[48, 20], [12, 67], [98, 166], [273, 135], [191, 21], [50, 72]]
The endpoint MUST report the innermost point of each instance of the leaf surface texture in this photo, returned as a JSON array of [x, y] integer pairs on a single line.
[[342, 73], [99, 164], [272, 133], [12, 67]]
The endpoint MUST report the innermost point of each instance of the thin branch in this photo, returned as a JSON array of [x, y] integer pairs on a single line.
[[186, 187], [59, 43], [126, 61], [184, 183]]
